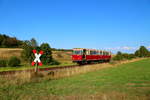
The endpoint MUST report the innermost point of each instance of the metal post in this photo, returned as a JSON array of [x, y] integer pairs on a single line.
[[36, 68]]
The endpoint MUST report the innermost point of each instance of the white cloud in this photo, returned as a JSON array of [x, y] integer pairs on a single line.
[[148, 47], [122, 48], [128, 48]]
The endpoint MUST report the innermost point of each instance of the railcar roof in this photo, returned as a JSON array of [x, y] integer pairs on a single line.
[[90, 49], [78, 48], [87, 49]]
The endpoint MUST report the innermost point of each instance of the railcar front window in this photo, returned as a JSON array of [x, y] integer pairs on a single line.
[[77, 52]]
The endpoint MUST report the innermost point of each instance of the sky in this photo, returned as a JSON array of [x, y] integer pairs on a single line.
[[114, 25]]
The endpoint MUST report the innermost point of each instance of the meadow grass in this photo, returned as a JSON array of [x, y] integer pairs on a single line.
[[6, 53], [25, 67], [61, 56], [129, 81]]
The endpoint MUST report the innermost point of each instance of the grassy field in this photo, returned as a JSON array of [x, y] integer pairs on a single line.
[[6, 53], [25, 67], [61, 56], [130, 81]]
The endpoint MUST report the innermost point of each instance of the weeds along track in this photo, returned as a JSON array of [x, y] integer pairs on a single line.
[[40, 69], [83, 68]]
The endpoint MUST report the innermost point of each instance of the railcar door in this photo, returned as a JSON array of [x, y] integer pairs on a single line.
[[84, 54]]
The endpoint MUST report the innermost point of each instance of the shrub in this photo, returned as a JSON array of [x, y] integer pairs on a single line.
[[59, 55], [131, 56], [27, 54], [118, 57], [46, 58], [14, 61], [3, 63], [123, 56], [54, 62]]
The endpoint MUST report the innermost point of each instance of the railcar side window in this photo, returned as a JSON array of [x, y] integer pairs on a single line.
[[93, 52], [101, 53], [77, 52], [104, 53], [87, 52]]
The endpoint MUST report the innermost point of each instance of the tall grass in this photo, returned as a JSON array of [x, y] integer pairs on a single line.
[[107, 84], [23, 77], [84, 69], [16, 79], [6, 53], [62, 56]]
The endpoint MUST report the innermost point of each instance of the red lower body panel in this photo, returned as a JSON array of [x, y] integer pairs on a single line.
[[90, 57]]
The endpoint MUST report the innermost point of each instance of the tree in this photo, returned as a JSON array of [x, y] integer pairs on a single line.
[[28, 46], [118, 56], [27, 54], [1, 39], [10, 42], [124, 56], [14, 61], [142, 52], [34, 43], [6, 41], [46, 58]]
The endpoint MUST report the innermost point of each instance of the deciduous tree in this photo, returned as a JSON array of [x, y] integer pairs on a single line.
[[46, 58], [142, 52]]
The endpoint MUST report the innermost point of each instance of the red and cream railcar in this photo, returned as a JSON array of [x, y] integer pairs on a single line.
[[81, 55]]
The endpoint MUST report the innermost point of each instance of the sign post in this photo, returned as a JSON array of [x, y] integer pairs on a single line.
[[37, 60]]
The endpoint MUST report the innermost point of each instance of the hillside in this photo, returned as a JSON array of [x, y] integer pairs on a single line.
[[61, 56], [7, 41]]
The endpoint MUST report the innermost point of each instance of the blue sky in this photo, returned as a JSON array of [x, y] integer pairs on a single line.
[[102, 24]]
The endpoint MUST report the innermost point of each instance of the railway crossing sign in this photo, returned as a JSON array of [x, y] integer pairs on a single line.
[[37, 60]]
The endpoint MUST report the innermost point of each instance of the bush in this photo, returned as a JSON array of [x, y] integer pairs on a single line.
[[131, 56], [54, 62], [27, 54], [46, 58], [118, 57], [59, 55], [123, 56], [13, 62], [3, 63]]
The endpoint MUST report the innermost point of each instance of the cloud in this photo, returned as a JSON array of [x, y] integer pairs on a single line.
[[122, 48], [128, 48], [148, 47], [125, 49]]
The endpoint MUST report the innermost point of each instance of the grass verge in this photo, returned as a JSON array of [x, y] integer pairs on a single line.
[[25, 67], [128, 81]]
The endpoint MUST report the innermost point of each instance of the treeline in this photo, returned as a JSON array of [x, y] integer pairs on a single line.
[[12, 42], [27, 55], [9, 42], [141, 52]]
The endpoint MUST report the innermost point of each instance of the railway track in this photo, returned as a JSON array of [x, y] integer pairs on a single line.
[[40, 69]]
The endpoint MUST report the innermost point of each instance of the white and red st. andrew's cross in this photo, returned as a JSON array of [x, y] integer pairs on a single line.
[[37, 58]]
